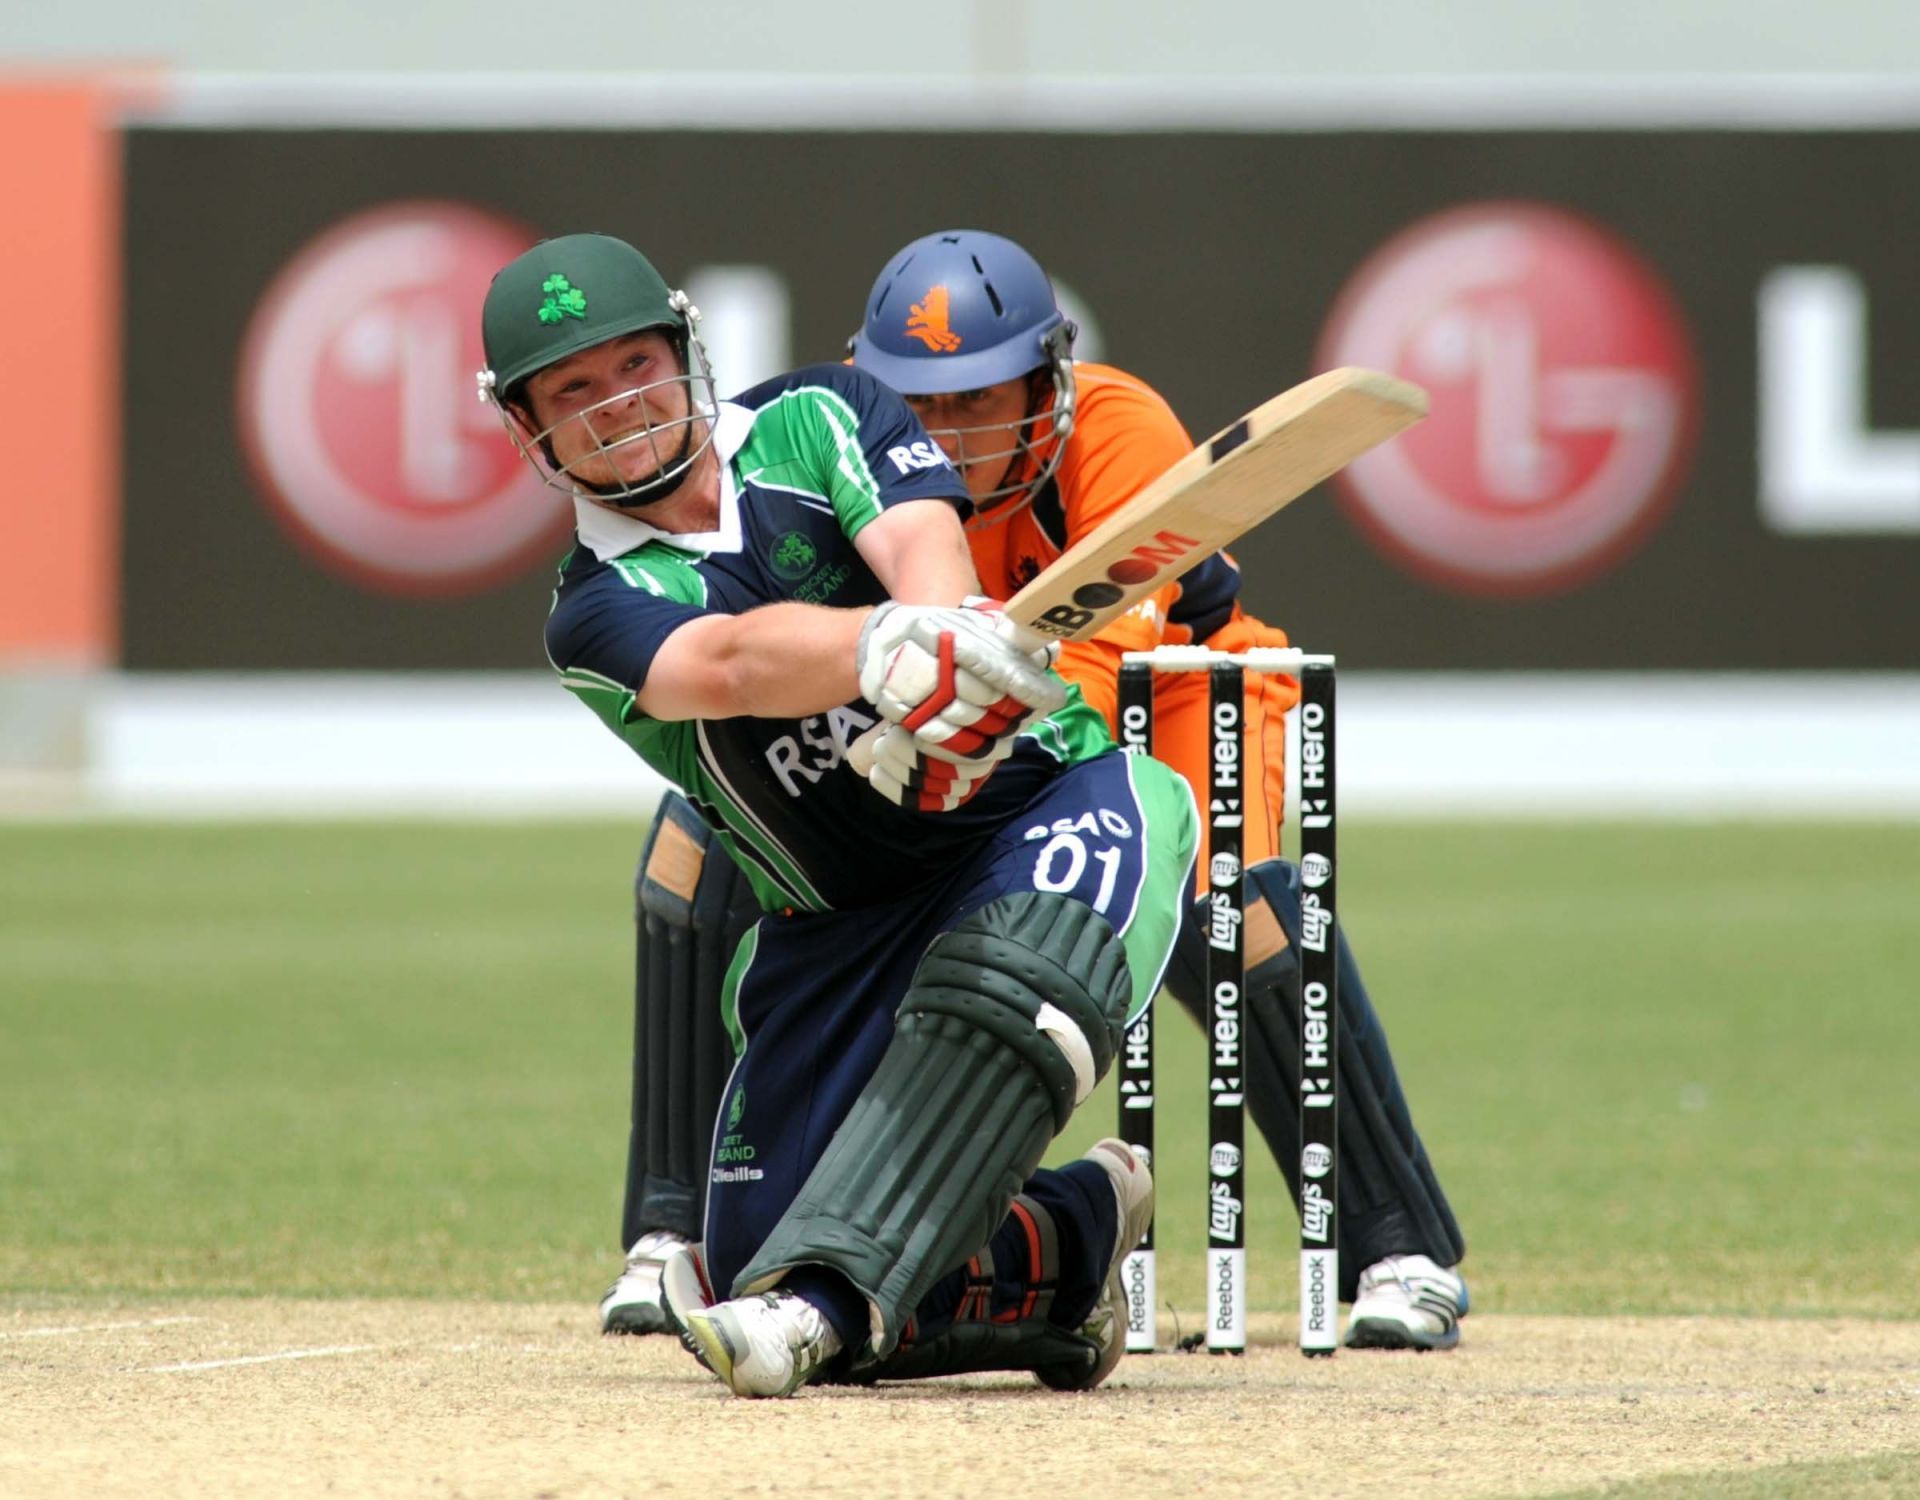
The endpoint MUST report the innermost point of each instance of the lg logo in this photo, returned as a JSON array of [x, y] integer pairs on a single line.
[[352, 416], [1564, 401], [1823, 469], [1562, 384], [355, 405], [1562, 374]]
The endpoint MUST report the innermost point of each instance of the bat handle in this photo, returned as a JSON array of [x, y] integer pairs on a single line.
[[1020, 636], [1030, 641]]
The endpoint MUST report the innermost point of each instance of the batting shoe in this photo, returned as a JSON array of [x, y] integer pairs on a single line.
[[684, 1289], [1407, 1302], [1106, 1325], [766, 1345], [632, 1304]]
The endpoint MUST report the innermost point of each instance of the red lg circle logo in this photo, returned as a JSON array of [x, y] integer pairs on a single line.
[[1563, 397], [358, 413]]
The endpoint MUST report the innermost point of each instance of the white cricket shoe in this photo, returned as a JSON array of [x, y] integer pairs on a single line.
[[766, 1345], [632, 1304], [684, 1289], [1407, 1302], [1106, 1325]]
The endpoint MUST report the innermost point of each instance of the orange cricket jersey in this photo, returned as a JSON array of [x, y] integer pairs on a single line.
[[1124, 437]]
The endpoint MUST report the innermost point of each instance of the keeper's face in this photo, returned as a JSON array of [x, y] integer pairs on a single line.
[[615, 415], [986, 433]]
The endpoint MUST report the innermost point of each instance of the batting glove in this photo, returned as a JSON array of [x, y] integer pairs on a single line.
[[925, 777], [954, 677]]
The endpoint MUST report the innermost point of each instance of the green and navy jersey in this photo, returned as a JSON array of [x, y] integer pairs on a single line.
[[807, 461]]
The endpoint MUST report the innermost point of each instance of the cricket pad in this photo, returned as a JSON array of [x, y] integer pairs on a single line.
[[967, 1096], [1391, 1202], [974, 1342], [1059, 1356], [692, 905]]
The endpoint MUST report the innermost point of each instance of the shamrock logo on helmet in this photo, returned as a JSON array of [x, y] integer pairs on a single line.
[[564, 300]]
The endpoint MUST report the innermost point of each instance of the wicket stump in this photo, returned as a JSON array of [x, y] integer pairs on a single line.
[[1223, 897]]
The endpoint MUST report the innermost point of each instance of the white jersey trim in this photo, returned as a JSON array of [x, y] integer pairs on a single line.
[[609, 534]]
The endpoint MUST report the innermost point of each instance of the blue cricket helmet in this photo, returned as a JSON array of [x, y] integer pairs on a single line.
[[959, 310]]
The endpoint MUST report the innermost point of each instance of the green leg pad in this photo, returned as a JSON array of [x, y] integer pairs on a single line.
[[692, 905], [973, 1343], [962, 1106]]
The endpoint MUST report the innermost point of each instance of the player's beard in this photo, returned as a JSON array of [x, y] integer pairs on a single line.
[[621, 497]]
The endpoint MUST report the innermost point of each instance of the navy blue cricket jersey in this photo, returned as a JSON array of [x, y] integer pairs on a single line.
[[807, 461]]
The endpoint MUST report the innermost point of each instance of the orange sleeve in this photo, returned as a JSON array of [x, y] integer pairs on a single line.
[[1125, 436]]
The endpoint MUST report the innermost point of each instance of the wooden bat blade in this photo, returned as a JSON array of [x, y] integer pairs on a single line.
[[1215, 495], [1208, 500]]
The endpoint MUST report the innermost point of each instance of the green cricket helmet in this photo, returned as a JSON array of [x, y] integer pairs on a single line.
[[567, 295]]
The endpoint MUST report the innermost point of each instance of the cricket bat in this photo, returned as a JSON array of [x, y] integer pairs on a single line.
[[1214, 496], [1211, 498]]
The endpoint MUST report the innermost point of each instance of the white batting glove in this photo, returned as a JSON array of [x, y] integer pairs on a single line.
[[967, 727], [954, 677], [914, 775]]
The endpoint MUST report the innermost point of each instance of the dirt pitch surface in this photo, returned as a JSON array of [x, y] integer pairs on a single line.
[[286, 1399]]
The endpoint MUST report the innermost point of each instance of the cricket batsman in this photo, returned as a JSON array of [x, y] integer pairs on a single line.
[[945, 955]]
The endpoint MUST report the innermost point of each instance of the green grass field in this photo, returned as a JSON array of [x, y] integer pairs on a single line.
[[1661, 1068]]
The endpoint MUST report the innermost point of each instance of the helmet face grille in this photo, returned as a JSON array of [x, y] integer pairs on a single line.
[[672, 445]]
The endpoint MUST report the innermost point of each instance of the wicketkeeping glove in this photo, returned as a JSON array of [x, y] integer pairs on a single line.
[[955, 678]]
